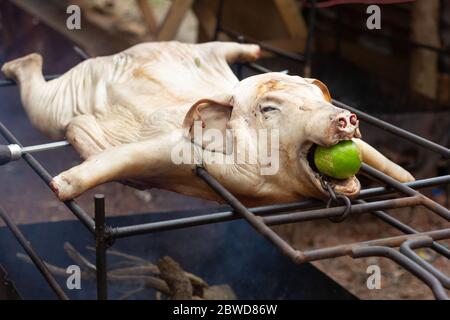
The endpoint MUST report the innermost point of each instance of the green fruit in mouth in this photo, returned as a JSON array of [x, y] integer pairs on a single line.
[[340, 161]]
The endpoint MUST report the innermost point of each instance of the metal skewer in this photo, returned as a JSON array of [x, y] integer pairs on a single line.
[[45, 147], [14, 152]]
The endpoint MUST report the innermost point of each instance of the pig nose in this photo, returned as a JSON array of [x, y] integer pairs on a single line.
[[347, 121]]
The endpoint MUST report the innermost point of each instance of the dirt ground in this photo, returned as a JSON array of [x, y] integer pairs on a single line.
[[396, 282]]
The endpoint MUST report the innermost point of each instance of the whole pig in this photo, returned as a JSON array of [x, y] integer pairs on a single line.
[[148, 116]]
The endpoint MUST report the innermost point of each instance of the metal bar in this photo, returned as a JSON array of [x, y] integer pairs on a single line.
[[396, 130], [265, 47], [427, 202], [338, 211], [173, 224], [257, 67], [43, 173], [26, 245], [431, 281], [45, 147], [100, 247], [303, 256], [346, 249], [407, 248], [385, 217], [255, 221], [181, 223], [81, 53], [418, 184]]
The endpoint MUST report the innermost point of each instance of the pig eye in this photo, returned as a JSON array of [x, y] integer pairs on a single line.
[[268, 109]]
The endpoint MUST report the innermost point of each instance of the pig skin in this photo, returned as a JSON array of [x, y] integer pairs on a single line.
[[125, 113]]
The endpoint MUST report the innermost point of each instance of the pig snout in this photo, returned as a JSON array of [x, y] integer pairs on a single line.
[[343, 126], [328, 127], [347, 122]]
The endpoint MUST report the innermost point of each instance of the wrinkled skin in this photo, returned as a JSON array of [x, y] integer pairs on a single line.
[[125, 113]]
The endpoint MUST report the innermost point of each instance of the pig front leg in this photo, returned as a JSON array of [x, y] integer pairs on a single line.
[[375, 159], [127, 161]]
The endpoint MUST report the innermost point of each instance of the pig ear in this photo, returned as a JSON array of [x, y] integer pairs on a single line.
[[322, 87], [206, 122]]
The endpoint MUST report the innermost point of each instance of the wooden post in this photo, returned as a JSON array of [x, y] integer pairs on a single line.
[[148, 15], [444, 82], [173, 19], [290, 13], [424, 63], [278, 23], [206, 14]]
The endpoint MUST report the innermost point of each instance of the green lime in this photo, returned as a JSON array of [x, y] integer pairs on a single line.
[[340, 161]]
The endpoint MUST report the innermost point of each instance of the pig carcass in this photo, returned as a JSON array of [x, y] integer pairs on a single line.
[[133, 114]]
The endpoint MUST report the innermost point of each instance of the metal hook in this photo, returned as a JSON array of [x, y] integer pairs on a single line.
[[335, 198], [344, 215]]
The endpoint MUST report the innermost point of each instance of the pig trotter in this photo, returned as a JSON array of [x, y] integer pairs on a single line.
[[64, 188], [19, 69]]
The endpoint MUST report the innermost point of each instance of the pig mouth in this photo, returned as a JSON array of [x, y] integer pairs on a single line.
[[349, 187]]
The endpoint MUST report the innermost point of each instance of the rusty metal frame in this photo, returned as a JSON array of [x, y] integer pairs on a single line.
[[260, 218]]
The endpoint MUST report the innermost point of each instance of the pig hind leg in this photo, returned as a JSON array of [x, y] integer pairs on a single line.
[[23, 69], [27, 72]]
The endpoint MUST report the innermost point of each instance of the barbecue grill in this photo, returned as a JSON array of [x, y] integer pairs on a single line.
[[338, 208]]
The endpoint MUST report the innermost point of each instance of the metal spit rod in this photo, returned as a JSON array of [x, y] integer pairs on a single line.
[[78, 211], [12, 152]]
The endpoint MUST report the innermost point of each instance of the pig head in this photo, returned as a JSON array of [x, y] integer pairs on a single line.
[[150, 115]]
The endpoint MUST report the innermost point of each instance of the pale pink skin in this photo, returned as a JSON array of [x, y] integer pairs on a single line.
[[124, 113]]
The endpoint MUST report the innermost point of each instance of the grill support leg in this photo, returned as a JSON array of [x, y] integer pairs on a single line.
[[101, 247]]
